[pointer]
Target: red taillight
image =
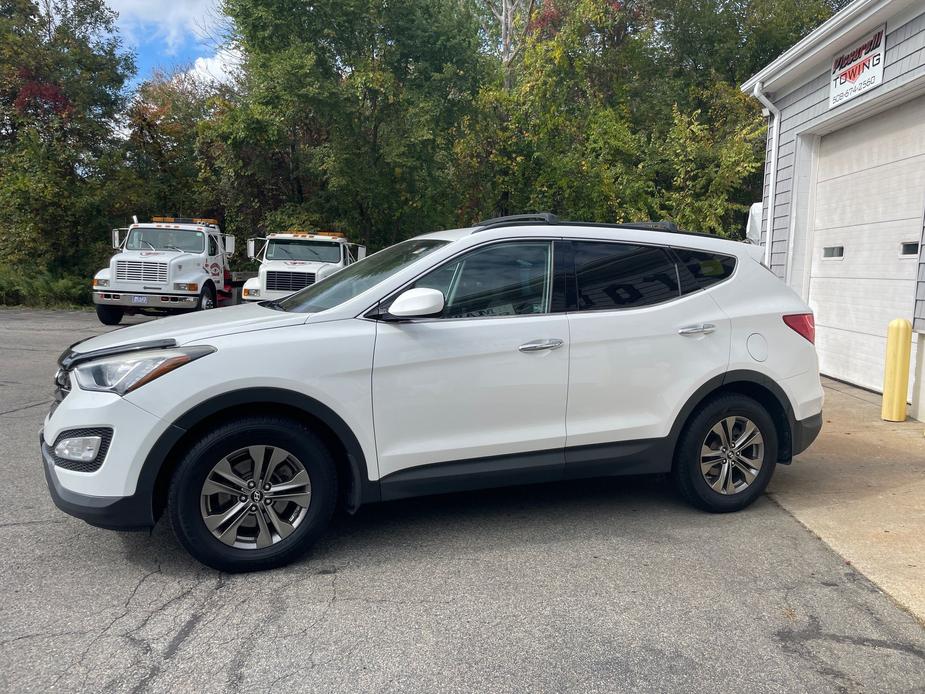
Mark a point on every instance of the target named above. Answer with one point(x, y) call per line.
point(804, 324)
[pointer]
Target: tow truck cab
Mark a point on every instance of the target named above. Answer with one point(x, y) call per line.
point(293, 260)
point(168, 265)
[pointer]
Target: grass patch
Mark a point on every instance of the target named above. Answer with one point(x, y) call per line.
point(40, 288)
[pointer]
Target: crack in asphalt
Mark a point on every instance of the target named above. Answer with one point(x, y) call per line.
point(25, 407)
point(15, 524)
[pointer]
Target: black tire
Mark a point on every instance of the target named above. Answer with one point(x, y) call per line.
point(687, 475)
point(109, 315)
point(183, 505)
point(206, 299)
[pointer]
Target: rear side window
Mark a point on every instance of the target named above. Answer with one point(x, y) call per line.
point(622, 275)
point(706, 268)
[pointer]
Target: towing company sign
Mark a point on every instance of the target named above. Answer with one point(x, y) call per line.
point(858, 69)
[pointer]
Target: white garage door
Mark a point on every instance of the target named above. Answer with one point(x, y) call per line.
point(870, 202)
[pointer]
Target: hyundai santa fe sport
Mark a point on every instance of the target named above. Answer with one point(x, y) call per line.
point(521, 350)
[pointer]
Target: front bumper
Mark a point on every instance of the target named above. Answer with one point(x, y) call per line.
point(111, 512)
point(142, 300)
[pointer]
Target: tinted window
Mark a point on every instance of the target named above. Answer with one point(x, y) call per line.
point(621, 275)
point(706, 268)
point(213, 247)
point(503, 280)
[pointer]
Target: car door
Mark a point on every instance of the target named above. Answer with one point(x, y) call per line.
point(215, 261)
point(482, 386)
point(644, 337)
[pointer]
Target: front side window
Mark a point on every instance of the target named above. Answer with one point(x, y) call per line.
point(213, 246)
point(355, 279)
point(311, 251)
point(154, 239)
point(622, 275)
point(509, 279)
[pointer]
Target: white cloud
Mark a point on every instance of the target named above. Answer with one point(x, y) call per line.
point(171, 21)
point(219, 67)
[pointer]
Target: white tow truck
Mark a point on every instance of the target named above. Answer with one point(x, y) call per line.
point(167, 265)
point(293, 260)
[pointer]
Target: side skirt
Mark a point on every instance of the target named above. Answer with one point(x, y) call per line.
point(648, 456)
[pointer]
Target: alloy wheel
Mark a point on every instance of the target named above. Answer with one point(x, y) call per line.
point(732, 455)
point(255, 497)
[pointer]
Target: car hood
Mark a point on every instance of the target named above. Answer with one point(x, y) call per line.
point(193, 327)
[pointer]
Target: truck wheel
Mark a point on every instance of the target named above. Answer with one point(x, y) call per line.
point(254, 493)
point(207, 298)
point(109, 315)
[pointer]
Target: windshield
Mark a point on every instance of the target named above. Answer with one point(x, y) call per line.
point(154, 239)
point(357, 278)
point(316, 251)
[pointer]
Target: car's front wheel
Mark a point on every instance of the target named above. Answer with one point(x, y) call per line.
point(726, 454)
point(253, 494)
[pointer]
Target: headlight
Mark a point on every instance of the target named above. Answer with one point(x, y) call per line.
point(186, 286)
point(251, 292)
point(123, 373)
point(100, 283)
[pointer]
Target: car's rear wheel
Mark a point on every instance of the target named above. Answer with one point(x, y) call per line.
point(254, 494)
point(726, 454)
point(109, 315)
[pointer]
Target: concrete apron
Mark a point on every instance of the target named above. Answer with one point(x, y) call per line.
point(861, 488)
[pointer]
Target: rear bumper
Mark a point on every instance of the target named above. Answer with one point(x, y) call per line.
point(805, 431)
point(110, 512)
point(142, 300)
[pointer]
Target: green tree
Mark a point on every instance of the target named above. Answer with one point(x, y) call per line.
point(164, 172)
point(347, 114)
point(62, 73)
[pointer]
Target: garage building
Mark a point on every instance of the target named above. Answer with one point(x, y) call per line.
point(845, 170)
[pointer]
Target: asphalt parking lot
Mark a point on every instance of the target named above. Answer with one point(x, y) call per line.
point(591, 586)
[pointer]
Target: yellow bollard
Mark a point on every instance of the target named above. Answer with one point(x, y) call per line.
point(896, 370)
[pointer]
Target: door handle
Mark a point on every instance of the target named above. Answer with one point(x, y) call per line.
point(702, 329)
point(540, 345)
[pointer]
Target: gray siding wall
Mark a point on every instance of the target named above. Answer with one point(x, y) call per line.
point(807, 107)
point(918, 323)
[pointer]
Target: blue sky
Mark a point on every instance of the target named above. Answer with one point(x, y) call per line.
point(172, 34)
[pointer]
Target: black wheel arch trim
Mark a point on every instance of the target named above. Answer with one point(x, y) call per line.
point(362, 490)
point(786, 448)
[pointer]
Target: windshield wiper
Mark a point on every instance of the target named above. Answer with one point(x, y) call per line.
point(174, 248)
point(273, 304)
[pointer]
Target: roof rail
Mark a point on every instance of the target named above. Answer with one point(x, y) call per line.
point(543, 217)
point(663, 225)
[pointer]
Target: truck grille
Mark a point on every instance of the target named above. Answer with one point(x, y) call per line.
point(289, 281)
point(141, 271)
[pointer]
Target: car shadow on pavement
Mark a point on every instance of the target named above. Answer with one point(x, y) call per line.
point(469, 522)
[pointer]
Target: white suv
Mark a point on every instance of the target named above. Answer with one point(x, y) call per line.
point(522, 350)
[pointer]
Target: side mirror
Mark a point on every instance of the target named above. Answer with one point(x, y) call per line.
point(116, 241)
point(417, 303)
point(361, 252)
point(229, 245)
point(251, 248)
